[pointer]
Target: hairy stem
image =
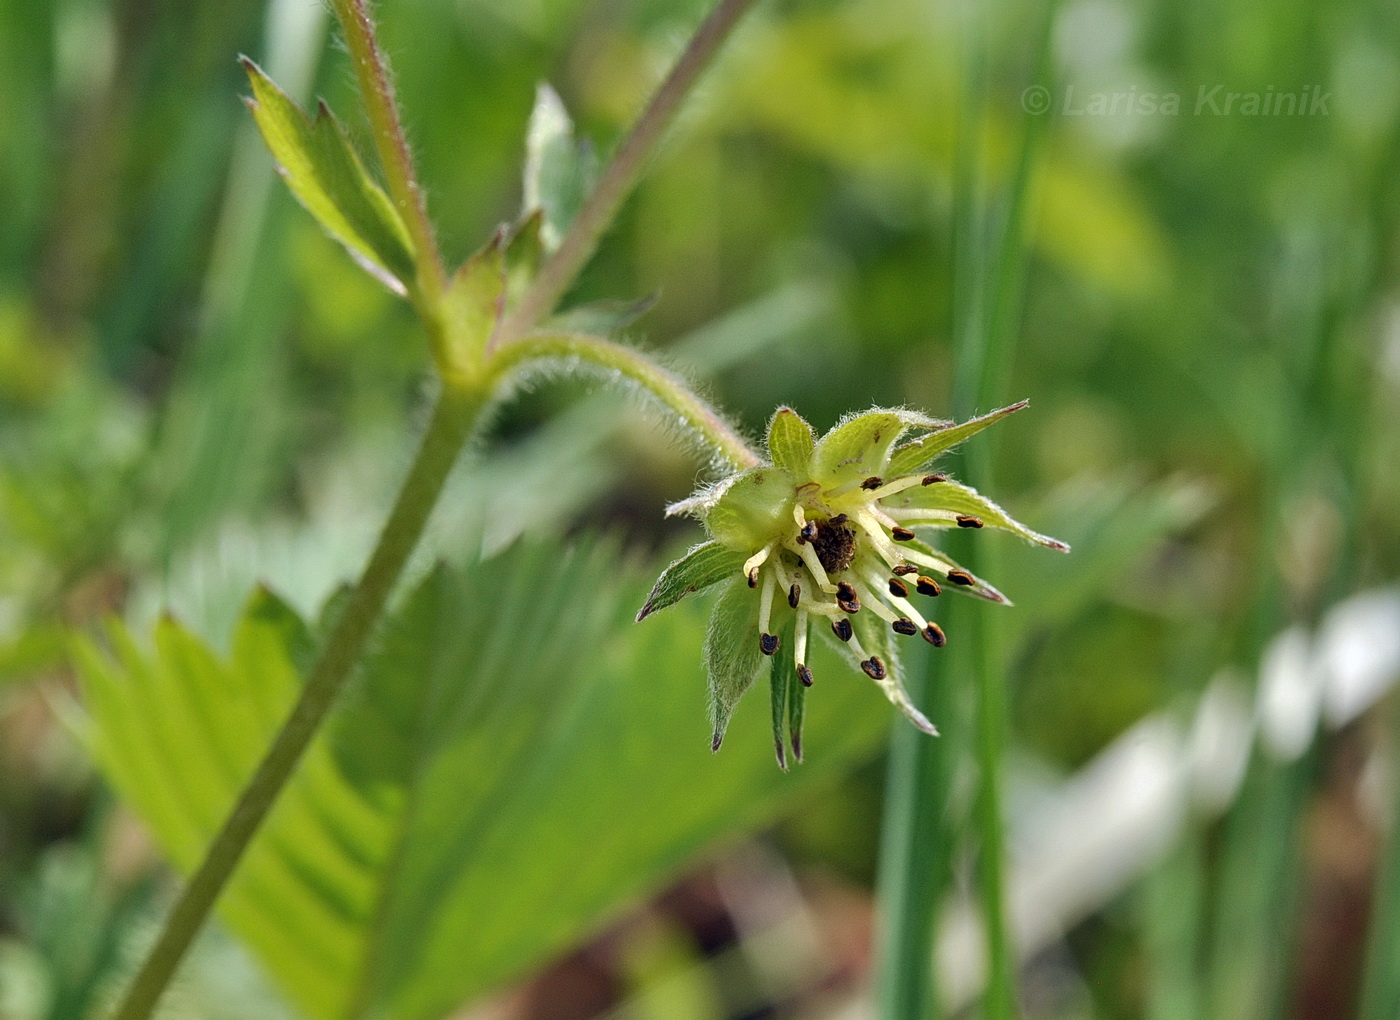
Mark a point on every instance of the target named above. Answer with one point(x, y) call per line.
point(665, 387)
point(377, 92)
point(456, 414)
point(618, 179)
point(452, 421)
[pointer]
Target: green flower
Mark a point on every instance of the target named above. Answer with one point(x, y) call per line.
point(830, 533)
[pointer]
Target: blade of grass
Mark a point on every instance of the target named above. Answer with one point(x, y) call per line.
point(987, 290)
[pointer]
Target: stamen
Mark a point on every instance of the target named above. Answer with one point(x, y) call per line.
point(874, 668)
point(934, 635)
point(814, 567)
point(757, 560)
point(842, 627)
point(869, 601)
point(768, 643)
point(808, 533)
point(905, 569)
point(878, 538)
point(905, 626)
point(919, 514)
point(805, 675)
point(968, 521)
point(899, 603)
point(898, 588)
point(931, 479)
point(962, 577)
point(927, 586)
point(765, 605)
point(898, 485)
point(873, 482)
point(846, 597)
point(794, 595)
point(902, 534)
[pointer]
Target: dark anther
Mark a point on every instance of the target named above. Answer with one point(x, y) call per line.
point(934, 635)
point(901, 534)
point(905, 627)
point(961, 577)
point(838, 520)
point(804, 674)
point(898, 588)
point(927, 586)
point(768, 643)
point(874, 668)
point(873, 482)
point(794, 594)
point(846, 597)
point(931, 479)
point(842, 627)
point(968, 521)
point(905, 569)
point(808, 533)
point(753, 578)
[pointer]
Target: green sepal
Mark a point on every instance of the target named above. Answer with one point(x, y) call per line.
point(957, 498)
point(474, 303)
point(915, 456)
point(797, 706)
point(780, 678)
point(732, 656)
point(559, 171)
point(325, 174)
point(524, 252)
point(878, 639)
point(978, 589)
point(750, 511)
point(706, 564)
point(791, 442)
point(858, 447)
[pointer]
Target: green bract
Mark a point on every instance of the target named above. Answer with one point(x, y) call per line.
point(834, 528)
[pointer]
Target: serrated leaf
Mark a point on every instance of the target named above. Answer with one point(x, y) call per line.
point(325, 174)
point(427, 850)
point(790, 442)
point(706, 564)
point(915, 456)
point(747, 514)
point(732, 656)
point(957, 498)
point(559, 172)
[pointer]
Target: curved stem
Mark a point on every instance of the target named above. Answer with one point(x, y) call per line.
point(452, 421)
point(618, 179)
point(664, 386)
point(377, 91)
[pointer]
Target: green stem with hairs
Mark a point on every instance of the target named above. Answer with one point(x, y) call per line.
point(452, 421)
point(617, 180)
point(667, 388)
point(376, 88)
point(456, 415)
